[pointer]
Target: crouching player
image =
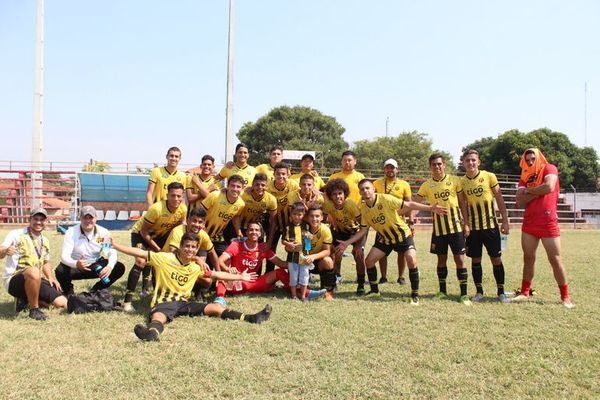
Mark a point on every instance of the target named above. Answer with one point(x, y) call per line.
point(175, 275)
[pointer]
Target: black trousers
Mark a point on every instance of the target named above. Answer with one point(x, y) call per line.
point(65, 275)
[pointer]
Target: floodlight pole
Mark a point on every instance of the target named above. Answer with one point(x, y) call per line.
point(229, 110)
point(38, 103)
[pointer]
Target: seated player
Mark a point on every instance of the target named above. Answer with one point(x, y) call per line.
point(175, 275)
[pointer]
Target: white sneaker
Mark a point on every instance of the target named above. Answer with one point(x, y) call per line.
point(503, 298)
point(128, 308)
point(520, 299)
point(567, 303)
point(477, 298)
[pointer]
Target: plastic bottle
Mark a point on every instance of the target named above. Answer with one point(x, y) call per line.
point(106, 246)
point(503, 242)
point(306, 243)
point(97, 269)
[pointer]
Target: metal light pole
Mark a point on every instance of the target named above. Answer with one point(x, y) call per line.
point(38, 103)
point(229, 110)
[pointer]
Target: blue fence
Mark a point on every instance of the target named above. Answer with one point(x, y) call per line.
point(111, 187)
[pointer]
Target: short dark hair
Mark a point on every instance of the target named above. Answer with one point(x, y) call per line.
point(314, 206)
point(174, 185)
point(469, 152)
point(256, 223)
point(276, 147)
point(337, 184)
point(174, 148)
point(298, 206)
point(208, 157)
point(236, 178)
point(260, 177)
point(307, 176)
point(348, 153)
point(240, 145)
point(435, 156)
point(198, 212)
point(529, 151)
point(363, 181)
point(281, 165)
point(188, 236)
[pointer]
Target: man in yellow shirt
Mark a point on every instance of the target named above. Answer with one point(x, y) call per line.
point(350, 175)
point(307, 165)
point(160, 177)
point(275, 156)
point(202, 181)
point(176, 274)
point(240, 166)
point(259, 206)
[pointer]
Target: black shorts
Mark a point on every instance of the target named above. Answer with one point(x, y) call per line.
point(138, 241)
point(173, 309)
point(341, 236)
point(456, 241)
point(490, 238)
point(16, 288)
point(407, 244)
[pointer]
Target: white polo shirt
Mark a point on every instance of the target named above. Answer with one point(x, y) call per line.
point(79, 244)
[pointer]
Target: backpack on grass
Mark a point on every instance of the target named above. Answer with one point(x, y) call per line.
point(100, 300)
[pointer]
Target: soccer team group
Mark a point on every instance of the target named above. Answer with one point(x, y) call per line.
point(235, 219)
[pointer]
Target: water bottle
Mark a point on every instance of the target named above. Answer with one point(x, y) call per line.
point(306, 243)
point(106, 246)
point(97, 269)
point(503, 242)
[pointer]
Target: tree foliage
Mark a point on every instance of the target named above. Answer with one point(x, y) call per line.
point(295, 128)
point(410, 149)
point(96, 166)
point(577, 166)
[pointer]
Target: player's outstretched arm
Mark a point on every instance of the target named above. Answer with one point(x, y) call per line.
point(226, 276)
point(130, 251)
point(413, 205)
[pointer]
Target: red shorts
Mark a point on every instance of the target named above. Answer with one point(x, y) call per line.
point(547, 231)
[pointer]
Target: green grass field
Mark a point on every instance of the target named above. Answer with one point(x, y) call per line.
point(345, 349)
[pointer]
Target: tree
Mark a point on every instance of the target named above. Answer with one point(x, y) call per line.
point(578, 166)
point(410, 149)
point(295, 128)
point(96, 166)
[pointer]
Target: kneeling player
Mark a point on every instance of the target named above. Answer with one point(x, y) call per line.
point(175, 275)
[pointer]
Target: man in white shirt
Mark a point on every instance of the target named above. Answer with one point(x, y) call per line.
point(82, 255)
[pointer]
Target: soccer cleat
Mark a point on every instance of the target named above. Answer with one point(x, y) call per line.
point(373, 295)
point(441, 296)
point(383, 279)
point(20, 305)
point(477, 298)
point(37, 314)
point(315, 294)
point(503, 298)
point(401, 281)
point(465, 300)
point(360, 290)
point(328, 295)
point(567, 303)
point(263, 314)
point(144, 292)
point(520, 299)
point(143, 333)
point(220, 300)
point(414, 301)
point(128, 307)
point(338, 279)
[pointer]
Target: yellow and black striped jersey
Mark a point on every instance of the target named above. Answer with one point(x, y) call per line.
point(161, 218)
point(174, 239)
point(162, 178)
point(384, 218)
point(246, 172)
point(345, 219)
point(398, 188)
point(321, 239)
point(255, 208)
point(282, 200)
point(352, 179)
point(219, 211)
point(319, 184)
point(294, 233)
point(480, 199)
point(266, 169)
point(174, 280)
point(205, 183)
point(445, 193)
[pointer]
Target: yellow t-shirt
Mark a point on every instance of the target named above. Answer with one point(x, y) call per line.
point(162, 178)
point(383, 217)
point(266, 169)
point(219, 211)
point(246, 172)
point(398, 188)
point(319, 184)
point(345, 219)
point(254, 209)
point(352, 179)
point(321, 239)
point(282, 204)
point(445, 193)
point(480, 199)
point(161, 218)
point(205, 183)
point(31, 252)
point(174, 239)
point(174, 280)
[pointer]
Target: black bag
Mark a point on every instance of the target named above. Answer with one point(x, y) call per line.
point(100, 300)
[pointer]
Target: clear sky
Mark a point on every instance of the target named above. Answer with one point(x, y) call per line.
point(125, 80)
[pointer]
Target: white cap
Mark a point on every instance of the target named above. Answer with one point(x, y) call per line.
point(390, 161)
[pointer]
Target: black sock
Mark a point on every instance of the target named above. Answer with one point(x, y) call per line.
point(442, 273)
point(360, 279)
point(231, 314)
point(499, 275)
point(328, 279)
point(413, 275)
point(157, 325)
point(146, 277)
point(132, 280)
point(463, 275)
point(477, 272)
point(372, 275)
